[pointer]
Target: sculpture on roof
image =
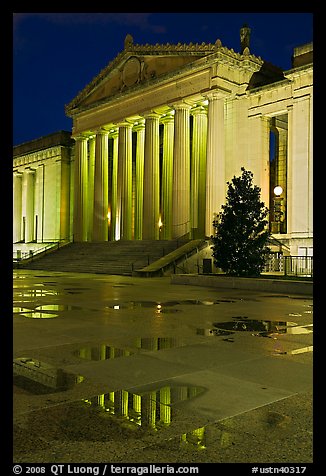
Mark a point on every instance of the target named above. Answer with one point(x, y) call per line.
point(128, 41)
point(245, 39)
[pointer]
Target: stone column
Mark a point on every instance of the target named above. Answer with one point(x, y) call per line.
point(151, 209)
point(17, 206)
point(91, 176)
point(215, 164)
point(29, 205)
point(124, 185)
point(115, 233)
point(80, 190)
point(167, 176)
point(101, 184)
point(198, 171)
point(300, 177)
point(181, 173)
point(140, 147)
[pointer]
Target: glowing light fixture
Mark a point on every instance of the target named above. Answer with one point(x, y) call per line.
point(278, 190)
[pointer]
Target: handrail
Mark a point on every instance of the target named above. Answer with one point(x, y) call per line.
point(30, 254)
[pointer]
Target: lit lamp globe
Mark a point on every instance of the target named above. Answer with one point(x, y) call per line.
point(278, 190)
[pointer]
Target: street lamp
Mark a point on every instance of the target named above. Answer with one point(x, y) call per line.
point(277, 200)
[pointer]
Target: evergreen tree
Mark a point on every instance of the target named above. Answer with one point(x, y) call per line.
point(240, 230)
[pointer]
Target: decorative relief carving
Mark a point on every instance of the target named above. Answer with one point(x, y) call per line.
point(131, 71)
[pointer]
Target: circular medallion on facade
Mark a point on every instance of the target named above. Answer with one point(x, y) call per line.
point(131, 71)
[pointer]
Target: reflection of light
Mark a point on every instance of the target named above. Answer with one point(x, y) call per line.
point(116, 307)
point(109, 216)
point(278, 190)
point(158, 308)
point(160, 223)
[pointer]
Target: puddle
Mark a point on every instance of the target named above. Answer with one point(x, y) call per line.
point(213, 332)
point(101, 352)
point(39, 377)
point(40, 315)
point(118, 416)
point(36, 293)
point(160, 307)
point(149, 409)
point(302, 350)
point(262, 328)
point(105, 352)
point(157, 343)
point(196, 439)
point(57, 307)
point(17, 309)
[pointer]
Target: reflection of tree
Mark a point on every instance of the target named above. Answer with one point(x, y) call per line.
point(243, 324)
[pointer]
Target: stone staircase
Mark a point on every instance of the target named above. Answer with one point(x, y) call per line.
point(114, 257)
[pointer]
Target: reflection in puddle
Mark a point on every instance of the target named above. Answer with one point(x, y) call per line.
point(17, 309)
point(36, 293)
point(213, 332)
point(160, 307)
point(157, 343)
point(195, 438)
point(302, 350)
point(105, 352)
point(101, 352)
point(264, 328)
point(39, 377)
point(40, 315)
point(57, 307)
point(116, 416)
point(149, 409)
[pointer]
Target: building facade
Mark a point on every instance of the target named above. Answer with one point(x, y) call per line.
point(156, 137)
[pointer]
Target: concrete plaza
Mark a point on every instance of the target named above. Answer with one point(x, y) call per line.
point(152, 371)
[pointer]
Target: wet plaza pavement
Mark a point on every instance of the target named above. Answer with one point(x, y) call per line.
point(136, 370)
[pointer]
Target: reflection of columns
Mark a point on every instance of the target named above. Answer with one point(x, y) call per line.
point(167, 176)
point(148, 414)
point(101, 193)
point(165, 405)
point(198, 171)
point(91, 171)
point(215, 166)
point(124, 185)
point(29, 204)
point(140, 130)
point(114, 232)
point(17, 206)
point(151, 203)
point(80, 195)
point(181, 172)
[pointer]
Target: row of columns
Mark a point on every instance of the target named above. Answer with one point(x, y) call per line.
point(169, 201)
point(23, 205)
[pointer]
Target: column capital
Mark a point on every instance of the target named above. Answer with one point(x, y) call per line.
point(215, 94)
point(29, 170)
point(18, 174)
point(139, 125)
point(101, 131)
point(167, 118)
point(79, 137)
point(198, 109)
point(181, 106)
point(151, 115)
point(125, 124)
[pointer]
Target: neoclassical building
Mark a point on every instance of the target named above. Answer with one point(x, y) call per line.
point(156, 137)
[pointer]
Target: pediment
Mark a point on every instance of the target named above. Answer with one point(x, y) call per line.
point(135, 66)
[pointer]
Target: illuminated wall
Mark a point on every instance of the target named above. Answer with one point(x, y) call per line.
point(157, 135)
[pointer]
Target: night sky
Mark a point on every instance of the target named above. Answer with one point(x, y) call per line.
point(55, 55)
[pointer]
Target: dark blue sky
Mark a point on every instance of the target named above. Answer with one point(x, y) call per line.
point(55, 55)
